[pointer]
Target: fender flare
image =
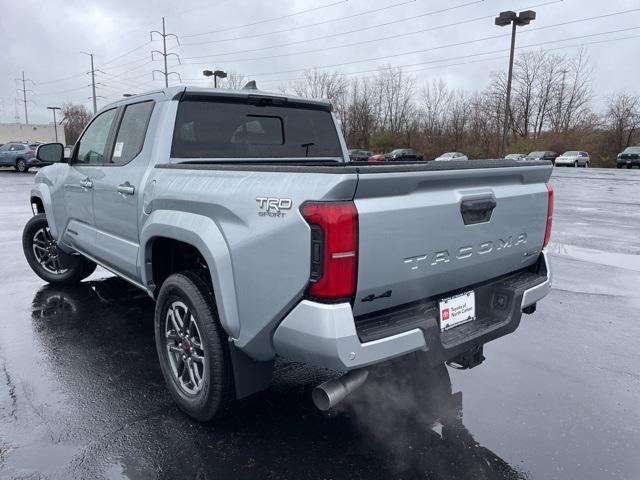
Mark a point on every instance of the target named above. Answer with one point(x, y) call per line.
point(204, 234)
point(41, 191)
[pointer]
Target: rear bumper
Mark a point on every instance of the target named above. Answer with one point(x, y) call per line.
point(329, 336)
point(628, 161)
point(566, 161)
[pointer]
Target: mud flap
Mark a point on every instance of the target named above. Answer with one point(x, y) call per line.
point(249, 375)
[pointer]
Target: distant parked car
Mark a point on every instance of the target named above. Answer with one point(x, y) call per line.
point(573, 158)
point(629, 158)
point(515, 156)
point(359, 155)
point(17, 155)
point(403, 154)
point(451, 156)
point(377, 158)
point(543, 155)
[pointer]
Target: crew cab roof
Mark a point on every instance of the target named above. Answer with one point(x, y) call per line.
point(183, 92)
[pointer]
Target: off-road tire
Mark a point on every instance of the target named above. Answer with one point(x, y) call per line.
point(216, 396)
point(76, 268)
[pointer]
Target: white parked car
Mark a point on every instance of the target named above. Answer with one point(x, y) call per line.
point(573, 158)
point(451, 156)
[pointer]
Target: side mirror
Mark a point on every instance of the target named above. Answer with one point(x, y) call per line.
point(51, 153)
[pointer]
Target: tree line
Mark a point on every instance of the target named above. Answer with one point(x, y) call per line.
point(552, 108)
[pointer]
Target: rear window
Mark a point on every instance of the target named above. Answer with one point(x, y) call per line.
point(219, 129)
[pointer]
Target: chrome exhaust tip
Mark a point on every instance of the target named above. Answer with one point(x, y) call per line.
point(332, 392)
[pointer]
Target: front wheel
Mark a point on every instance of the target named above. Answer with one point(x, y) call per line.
point(192, 348)
point(46, 260)
point(21, 166)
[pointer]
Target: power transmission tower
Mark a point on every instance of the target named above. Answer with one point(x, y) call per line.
point(93, 82)
point(24, 91)
point(164, 53)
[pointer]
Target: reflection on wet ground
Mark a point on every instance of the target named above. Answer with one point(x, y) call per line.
point(96, 339)
point(81, 395)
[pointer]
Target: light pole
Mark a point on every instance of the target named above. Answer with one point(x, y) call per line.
point(55, 125)
point(216, 74)
point(515, 20)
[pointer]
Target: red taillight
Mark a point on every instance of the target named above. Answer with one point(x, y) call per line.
point(334, 248)
point(29, 152)
point(547, 232)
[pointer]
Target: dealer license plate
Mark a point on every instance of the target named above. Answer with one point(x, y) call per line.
point(457, 310)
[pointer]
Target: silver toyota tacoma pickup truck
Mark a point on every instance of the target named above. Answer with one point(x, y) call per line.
point(240, 213)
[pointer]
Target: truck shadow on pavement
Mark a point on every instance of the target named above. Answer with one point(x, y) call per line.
point(97, 343)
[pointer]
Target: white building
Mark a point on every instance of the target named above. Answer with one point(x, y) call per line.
point(19, 132)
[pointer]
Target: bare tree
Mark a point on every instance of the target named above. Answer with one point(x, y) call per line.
point(361, 114)
point(573, 95)
point(74, 118)
point(396, 93)
point(623, 119)
point(234, 80)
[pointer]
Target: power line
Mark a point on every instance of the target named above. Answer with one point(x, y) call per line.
point(466, 42)
point(164, 53)
point(267, 20)
point(126, 53)
point(398, 35)
point(300, 27)
point(390, 37)
point(473, 55)
point(332, 35)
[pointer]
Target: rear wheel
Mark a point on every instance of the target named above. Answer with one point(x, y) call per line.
point(192, 348)
point(46, 260)
point(21, 166)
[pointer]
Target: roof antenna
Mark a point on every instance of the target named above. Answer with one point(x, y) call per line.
point(250, 85)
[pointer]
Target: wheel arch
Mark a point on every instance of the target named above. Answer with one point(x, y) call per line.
point(40, 198)
point(172, 240)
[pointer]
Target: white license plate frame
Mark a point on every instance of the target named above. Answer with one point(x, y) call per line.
point(457, 310)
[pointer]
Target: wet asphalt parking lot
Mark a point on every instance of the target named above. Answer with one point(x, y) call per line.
point(82, 396)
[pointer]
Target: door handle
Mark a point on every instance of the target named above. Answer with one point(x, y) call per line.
point(86, 183)
point(126, 189)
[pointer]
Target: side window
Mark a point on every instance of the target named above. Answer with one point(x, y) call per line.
point(93, 144)
point(5, 148)
point(131, 132)
point(19, 147)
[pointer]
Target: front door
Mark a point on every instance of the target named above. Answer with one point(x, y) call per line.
point(77, 219)
point(117, 190)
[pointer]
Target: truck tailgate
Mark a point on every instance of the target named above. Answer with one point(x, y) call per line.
point(426, 233)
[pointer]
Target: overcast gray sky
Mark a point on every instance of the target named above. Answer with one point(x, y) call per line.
point(273, 42)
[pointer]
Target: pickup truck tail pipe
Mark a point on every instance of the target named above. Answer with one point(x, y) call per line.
point(332, 392)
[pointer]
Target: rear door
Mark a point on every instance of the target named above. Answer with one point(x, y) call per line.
point(425, 233)
point(4, 154)
point(117, 190)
